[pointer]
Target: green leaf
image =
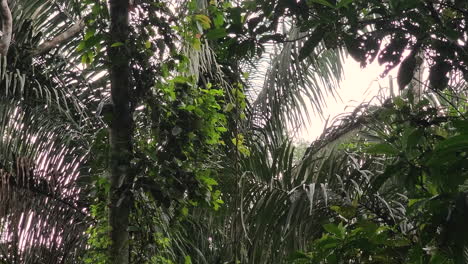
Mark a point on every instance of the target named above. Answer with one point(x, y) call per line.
point(347, 211)
point(369, 227)
point(148, 44)
point(399, 102)
point(411, 137)
point(461, 126)
point(382, 148)
point(196, 44)
point(90, 56)
point(81, 46)
point(439, 258)
point(298, 255)
point(322, 2)
point(218, 20)
point(410, 4)
point(400, 242)
point(447, 149)
point(117, 44)
point(133, 228)
point(89, 33)
point(84, 58)
point(337, 230)
point(216, 33)
point(344, 3)
point(228, 107)
point(332, 259)
point(204, 21)
point(329, 243)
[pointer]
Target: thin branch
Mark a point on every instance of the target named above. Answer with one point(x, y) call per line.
point(57, 40)
point(7, 27)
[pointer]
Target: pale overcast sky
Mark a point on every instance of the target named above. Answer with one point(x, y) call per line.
point(359, 85)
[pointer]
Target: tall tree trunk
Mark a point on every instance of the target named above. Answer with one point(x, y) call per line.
point(121, 130)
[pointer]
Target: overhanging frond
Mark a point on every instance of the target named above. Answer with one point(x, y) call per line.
point(290, 84)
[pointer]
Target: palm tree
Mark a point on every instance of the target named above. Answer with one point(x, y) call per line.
point(47, 126)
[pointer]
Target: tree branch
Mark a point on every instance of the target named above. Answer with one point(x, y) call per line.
point(57, 40)
point(7, 27)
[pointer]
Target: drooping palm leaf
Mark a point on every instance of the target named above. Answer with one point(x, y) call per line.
point(42, 218)
point(42, 148)
point(292, 84)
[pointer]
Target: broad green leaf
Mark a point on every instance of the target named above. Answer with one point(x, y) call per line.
point(382, 148)
point(369, 227)
point(329, 243)
point(216, 33)
point(447, 149)
point(337, 230)
point(410, 137)
point(218, 20)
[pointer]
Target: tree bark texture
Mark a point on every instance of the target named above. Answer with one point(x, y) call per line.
point(120, 133)
point(7, 27)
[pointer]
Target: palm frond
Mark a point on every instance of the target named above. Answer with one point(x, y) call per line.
point(42, 151)
point(40, 211)
point(291, 84)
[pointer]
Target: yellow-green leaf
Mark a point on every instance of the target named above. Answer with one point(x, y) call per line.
point(116, 44)
point(204, 21)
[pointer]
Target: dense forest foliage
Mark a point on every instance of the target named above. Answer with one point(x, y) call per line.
point(135, 131)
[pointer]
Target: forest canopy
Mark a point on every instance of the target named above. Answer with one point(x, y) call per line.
point(135, 131)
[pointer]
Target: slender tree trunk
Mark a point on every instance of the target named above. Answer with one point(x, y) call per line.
point(121, 130)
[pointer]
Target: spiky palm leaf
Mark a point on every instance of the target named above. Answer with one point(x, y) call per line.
point(291, 84)
point(42, 219)
point(279, 206)
point(43, 145)
point(41, 152)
